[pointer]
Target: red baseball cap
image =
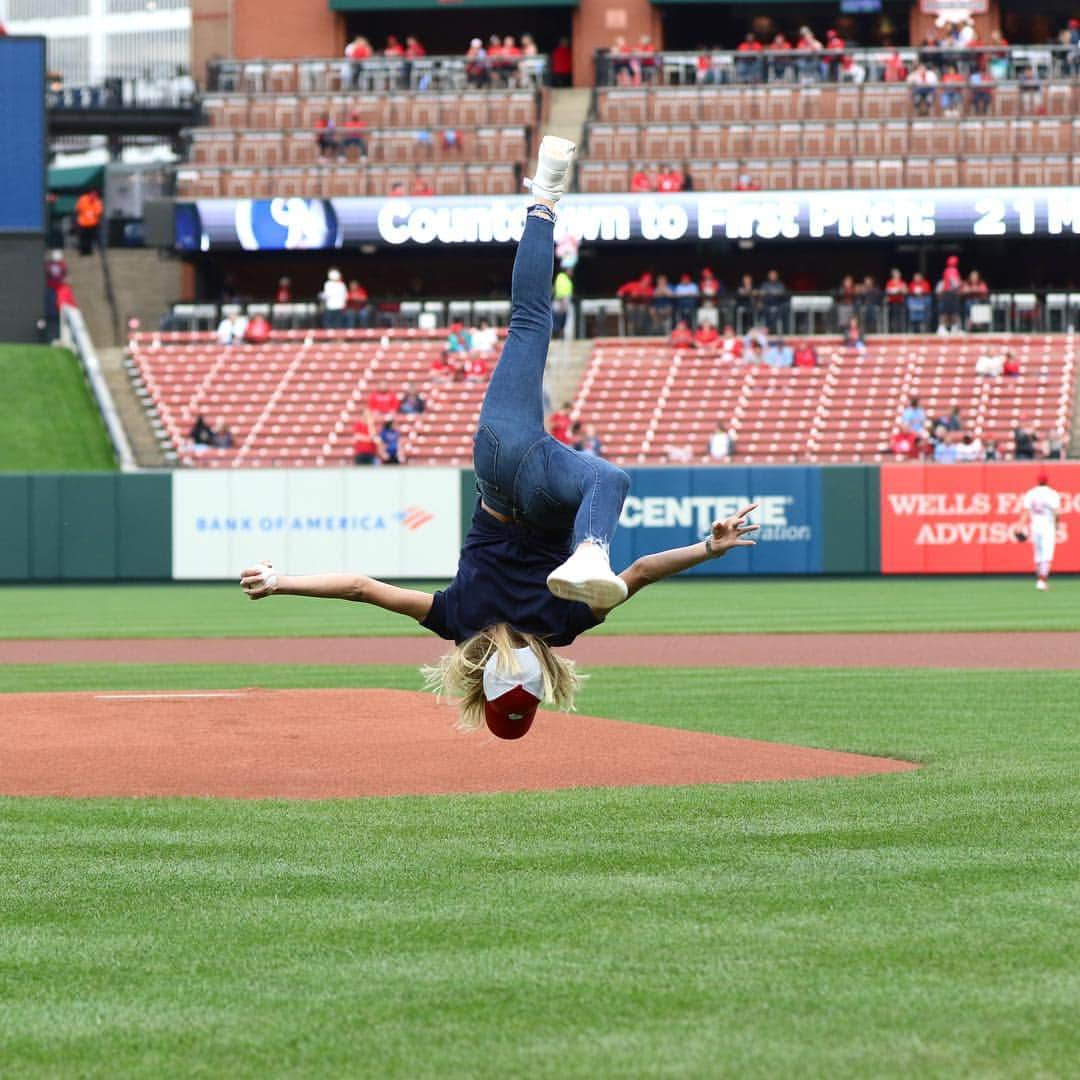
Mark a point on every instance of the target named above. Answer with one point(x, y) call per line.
point(1043, 478)
point(512, 697)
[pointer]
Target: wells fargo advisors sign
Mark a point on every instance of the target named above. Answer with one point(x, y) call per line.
point(958, 519)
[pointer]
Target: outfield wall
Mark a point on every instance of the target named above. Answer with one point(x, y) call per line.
point(408, 523)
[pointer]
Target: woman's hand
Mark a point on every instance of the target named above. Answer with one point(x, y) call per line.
point(731, 532)
point(259, 580)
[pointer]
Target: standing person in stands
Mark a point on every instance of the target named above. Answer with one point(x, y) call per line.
point(534, 571)
point(365, 441)
point(334, 298)
point(283, 295)
point(896, 291)
point(88, 211)
point(562, 63)
point(950, 296)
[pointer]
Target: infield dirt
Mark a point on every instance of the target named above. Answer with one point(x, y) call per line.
point(310, 744)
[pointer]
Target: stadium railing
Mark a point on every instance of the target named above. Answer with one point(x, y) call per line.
point(1012, 62)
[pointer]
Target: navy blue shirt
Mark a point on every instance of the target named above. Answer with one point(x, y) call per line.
point(502, 577)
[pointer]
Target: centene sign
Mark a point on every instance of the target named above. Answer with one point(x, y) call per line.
point(959, 519)
point(698, 512)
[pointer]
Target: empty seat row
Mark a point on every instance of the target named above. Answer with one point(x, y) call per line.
point(377, 110)
point(343, 181)
point(839, 102)
point(271, 148)
point(783, 174)
point(868, 138)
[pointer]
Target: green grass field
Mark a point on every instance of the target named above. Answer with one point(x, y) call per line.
point(54, 425)
point(914, 924)
point(687, 606)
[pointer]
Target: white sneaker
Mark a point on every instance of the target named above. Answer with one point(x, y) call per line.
point(552, 168)
point(1040, 585)
point(587, 576)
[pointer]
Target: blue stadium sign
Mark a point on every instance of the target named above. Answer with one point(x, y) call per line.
point(911, 213)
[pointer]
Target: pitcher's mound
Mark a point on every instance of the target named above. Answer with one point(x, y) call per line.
point(316, 744)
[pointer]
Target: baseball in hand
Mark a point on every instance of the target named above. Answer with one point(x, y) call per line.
point(259, 581)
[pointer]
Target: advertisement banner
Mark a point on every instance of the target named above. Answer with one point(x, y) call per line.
point(958, 519)
point(669, 508)
point(384, 522)
point(288, 224)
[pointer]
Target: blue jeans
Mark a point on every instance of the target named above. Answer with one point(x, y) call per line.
point(521, 470)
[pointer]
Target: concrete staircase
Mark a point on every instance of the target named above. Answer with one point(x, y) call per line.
point(144, 285)
point(133, 414)
point(566, 365)
point(567, 115)
point(1073, 450)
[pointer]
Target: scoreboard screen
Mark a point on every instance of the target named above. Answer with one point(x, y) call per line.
point(22, 134)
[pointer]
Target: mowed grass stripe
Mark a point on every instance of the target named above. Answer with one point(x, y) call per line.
point(911, 924)
point(685, 606)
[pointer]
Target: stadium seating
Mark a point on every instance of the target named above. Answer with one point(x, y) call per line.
point(653, 404)
point(294, 400)
point(264, 144)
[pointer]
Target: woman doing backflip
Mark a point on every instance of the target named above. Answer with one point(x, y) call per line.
point(534, 571)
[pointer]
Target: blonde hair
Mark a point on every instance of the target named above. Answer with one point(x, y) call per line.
point(460, 673)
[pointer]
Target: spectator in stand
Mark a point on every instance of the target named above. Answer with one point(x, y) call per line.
point(1024, 442)
point(846, 297)
point(730, 346)
point(780, 65)
point(223, 437)
point(562, 63)
point(805, 355)
point(904, 445)
point(721, 443)
point(774, 302)
point(588, 442)
point(334, 297)
point(389, 443)
point(393, 48)
point(413, 49)
point(562, 300)
point(88, 213)
point(950, 296)
point(953, 421)
point(970, 448)
point(671, 179)
point(201, 433)
point(952, 95)
point(357, 308)
point(257, 331)
point(810, 67)
point(636, 296)
point(923, 82)
point(358, 50)
point(686, 299)
point(748, 66)
point(559, 424)
point(476, 366)
point(326, 136)
point(706, 336)
point(919, 304)
point(421, 187)
point(944, 446)
point(283, 295)
point(646, 58)
point(746, 182)
point(663, 302)
point(682, 337)
point(231, 329)
point(353, 134)
point(382, 402)
point(411, 404)
point(365, 441)
point(894, 70)
point(982, 88)
point(641, 182)
point(853, 337)
point(458, 341)
point(746, 301)
point(896, 291)
point(975, 291)
point(868, 301)
point(913, 418)
point(477, 71)
point(485, 339)
point(778, 354)
point(990, 364)
point(710, 285)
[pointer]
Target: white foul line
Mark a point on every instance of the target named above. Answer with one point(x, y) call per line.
point(156, 697)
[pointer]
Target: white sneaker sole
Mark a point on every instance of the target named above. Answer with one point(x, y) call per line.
point(596, 592)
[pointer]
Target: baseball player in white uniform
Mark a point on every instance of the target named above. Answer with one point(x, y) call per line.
point(1041, 504)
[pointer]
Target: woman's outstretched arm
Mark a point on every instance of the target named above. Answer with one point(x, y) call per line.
point(262, 580)
point(725, 535)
